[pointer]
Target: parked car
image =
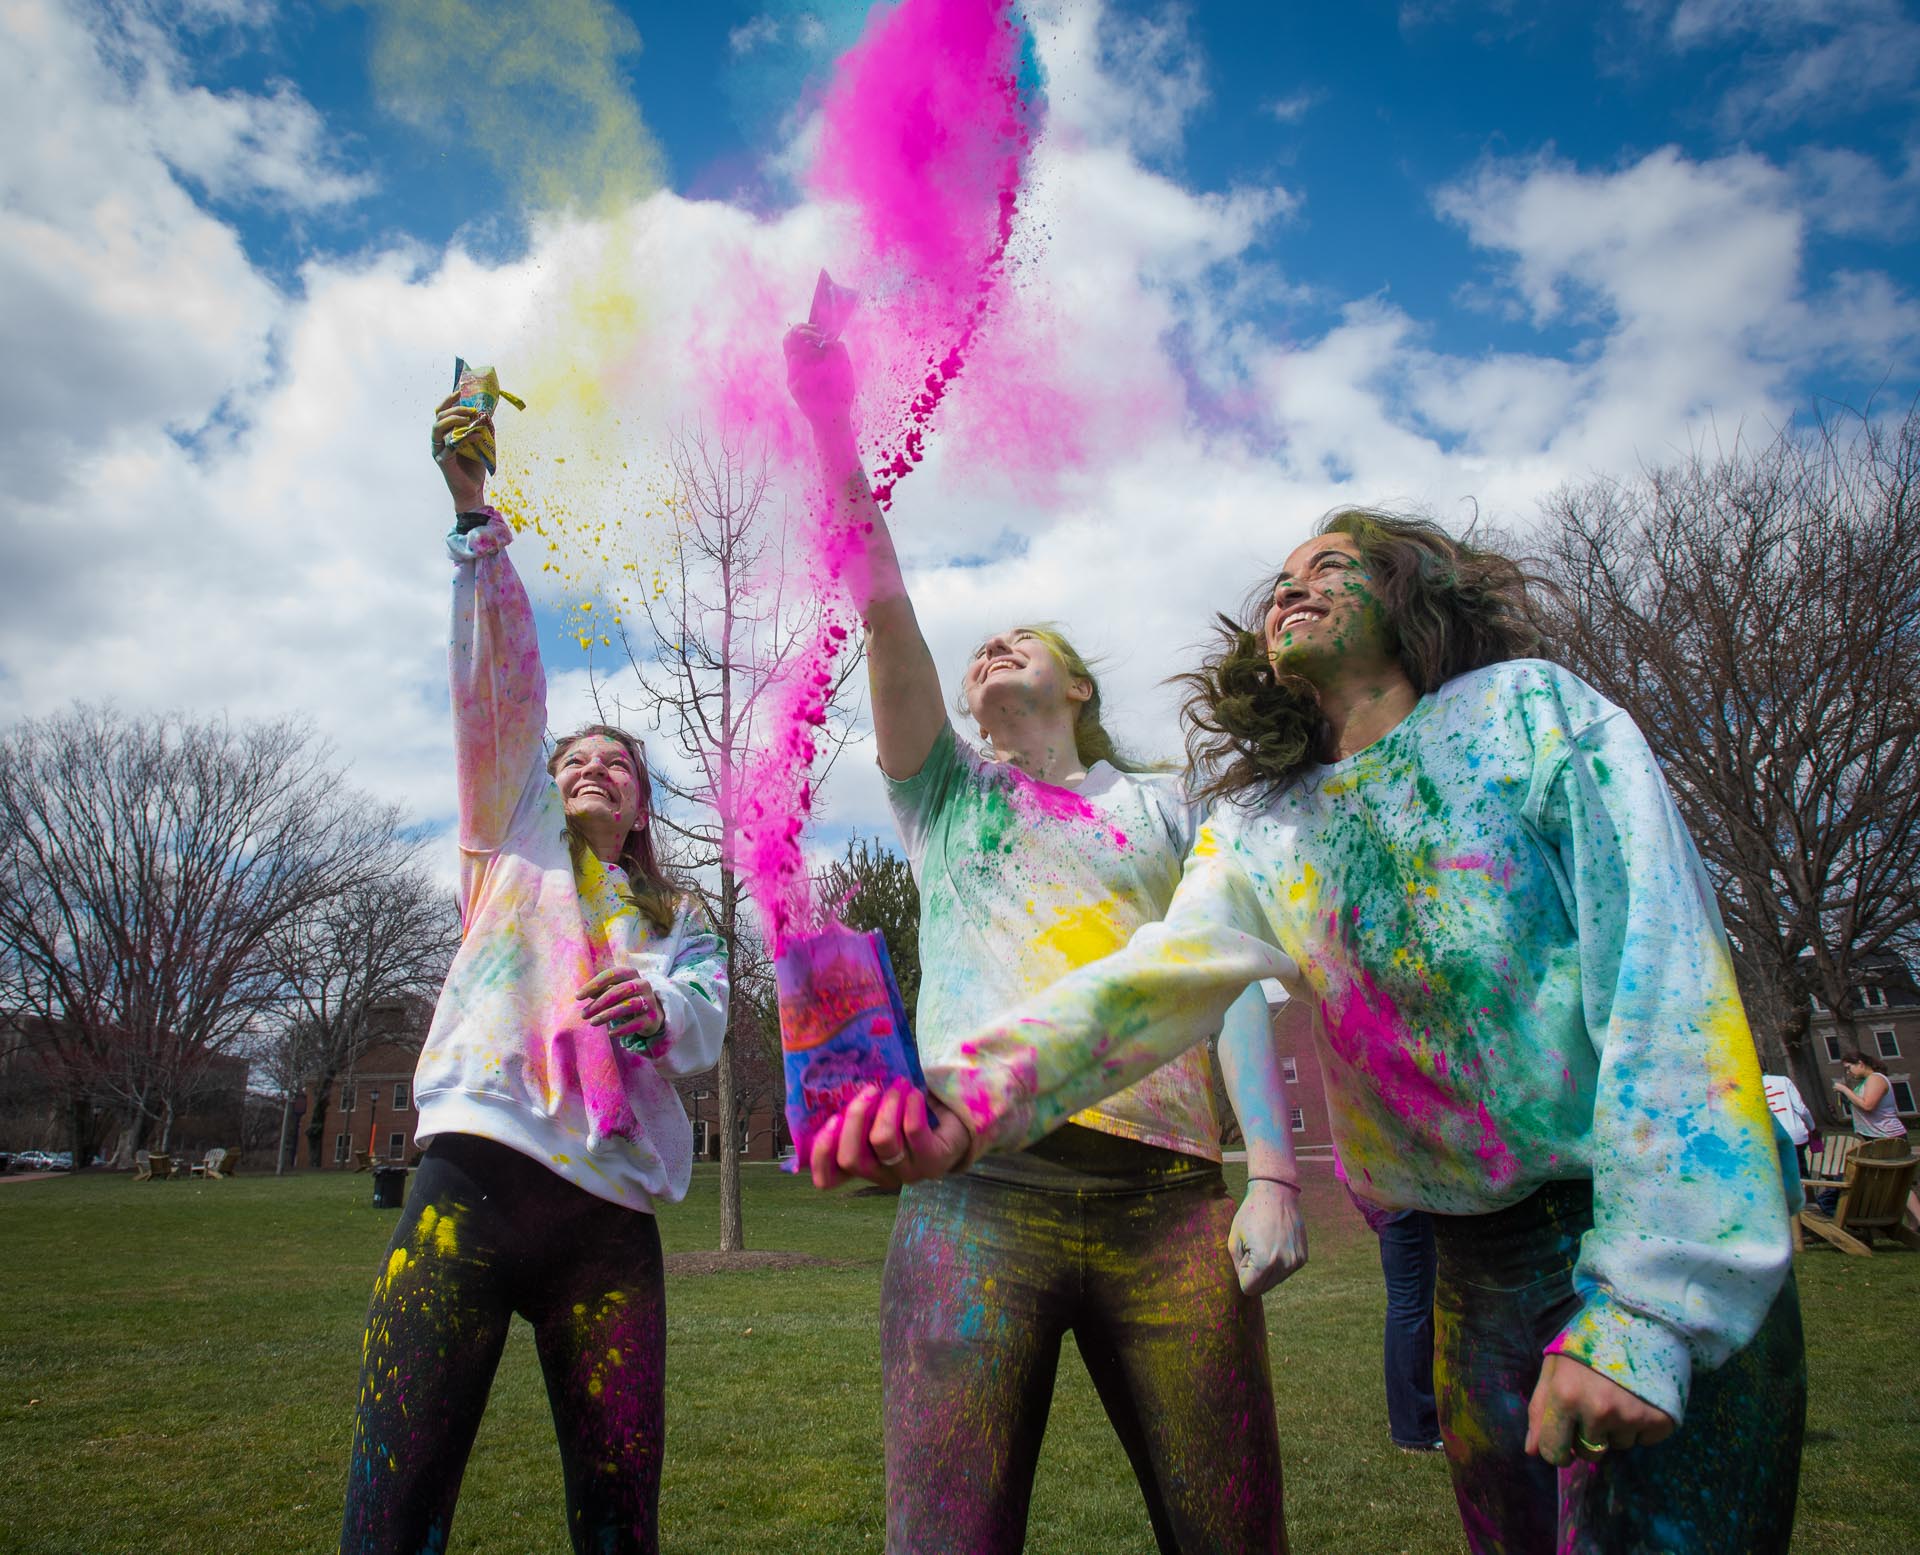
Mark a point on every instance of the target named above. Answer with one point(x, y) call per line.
point(33, 1161)
point(60, 1161)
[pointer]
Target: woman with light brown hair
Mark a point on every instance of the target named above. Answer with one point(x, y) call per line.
point(584, 983)
point(1035, 855)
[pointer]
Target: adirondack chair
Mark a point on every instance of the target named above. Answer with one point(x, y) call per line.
point(142, 1166)
point(210, 1165)
point(363, 1161)
point(1830, 1160)
point(1873, 1197)
point(159, 1167)
point(228, 1165)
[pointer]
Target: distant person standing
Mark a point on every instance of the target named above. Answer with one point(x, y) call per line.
point(1789, 1108)
point(1866, 1092)
point(1868, 1095)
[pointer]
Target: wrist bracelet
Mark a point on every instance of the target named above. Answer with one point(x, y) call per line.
point(1285, 1182)
point(473, 518)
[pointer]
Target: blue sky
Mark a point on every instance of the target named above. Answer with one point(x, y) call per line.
point(1453, 254)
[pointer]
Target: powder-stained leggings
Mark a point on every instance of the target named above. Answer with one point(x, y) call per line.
point(487, 1233)
point(1124, 1245)
point(1723, 1484)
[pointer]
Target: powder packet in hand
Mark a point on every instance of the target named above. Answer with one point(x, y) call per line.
point(833, 305)
point(479, 389)
point(842, 1026)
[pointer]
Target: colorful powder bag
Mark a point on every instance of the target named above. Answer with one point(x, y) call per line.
point(479, 389)
point(842, 1026)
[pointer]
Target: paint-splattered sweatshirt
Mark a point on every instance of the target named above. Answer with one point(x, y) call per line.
point(1521, 976)
point(1021, 882)
point(509, 1056)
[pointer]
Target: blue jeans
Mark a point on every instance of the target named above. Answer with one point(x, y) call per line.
point(1407, 1261)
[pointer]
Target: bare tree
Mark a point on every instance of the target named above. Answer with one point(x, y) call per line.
point(708, 649)
point(1757, 611)
point(144, 864)
point(389, 936)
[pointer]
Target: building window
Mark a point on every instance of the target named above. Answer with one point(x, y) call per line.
point(700, 1137)
point(346, 1097)
point(400, 1096)
point(1902, 1095)
point(1874, 997)
point(1889, 1047)
point(396, 1146)
point(1818, 1007)
point(1833, 1048)
point(341, 1145)
point(1296, 1120)
point(1290, 1070)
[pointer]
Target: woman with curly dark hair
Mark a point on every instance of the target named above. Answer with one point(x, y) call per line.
point(1466, 862)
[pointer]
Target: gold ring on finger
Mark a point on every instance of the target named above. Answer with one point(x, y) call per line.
point(1593, 1449)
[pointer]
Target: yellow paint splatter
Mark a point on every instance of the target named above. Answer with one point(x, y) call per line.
point(1082, 934)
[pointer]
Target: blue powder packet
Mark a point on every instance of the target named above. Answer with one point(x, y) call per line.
point(842, 1026)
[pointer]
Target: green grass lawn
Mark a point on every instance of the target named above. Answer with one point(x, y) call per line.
point(178, 1365)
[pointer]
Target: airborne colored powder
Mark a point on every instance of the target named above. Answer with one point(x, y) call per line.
point(925, 133)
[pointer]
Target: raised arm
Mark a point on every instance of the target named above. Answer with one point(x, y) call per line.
point(493, 662)
point(908, 713)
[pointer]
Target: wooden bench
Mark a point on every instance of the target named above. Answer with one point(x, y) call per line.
point(1873, 1197)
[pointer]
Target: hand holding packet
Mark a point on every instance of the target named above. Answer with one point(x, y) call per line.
point(842, 1026)
point(479, 389)
point(832, 306)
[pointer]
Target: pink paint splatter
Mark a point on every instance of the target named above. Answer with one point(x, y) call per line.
point(925, 134)
point(1366, 1029)
point(1480, 864)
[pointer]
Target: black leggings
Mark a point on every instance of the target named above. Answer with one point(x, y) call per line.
point(487, 1233)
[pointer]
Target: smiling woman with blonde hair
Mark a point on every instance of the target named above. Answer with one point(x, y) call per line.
point(1032, 859)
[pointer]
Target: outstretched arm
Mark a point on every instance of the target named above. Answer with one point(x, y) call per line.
point(1094, 1032)
point(904, 685)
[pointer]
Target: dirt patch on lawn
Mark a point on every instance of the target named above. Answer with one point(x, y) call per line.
point(753, 1261)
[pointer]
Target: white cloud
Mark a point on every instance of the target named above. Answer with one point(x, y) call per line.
point(1116, 79)
point(1799, 58)
point(1848, 193)
point(1294, 107)
point(757, 33)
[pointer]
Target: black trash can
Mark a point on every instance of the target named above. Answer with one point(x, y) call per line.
point(389, 1187)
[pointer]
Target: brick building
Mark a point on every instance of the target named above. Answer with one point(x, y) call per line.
point(370, 1108)
point(1300, 1068)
